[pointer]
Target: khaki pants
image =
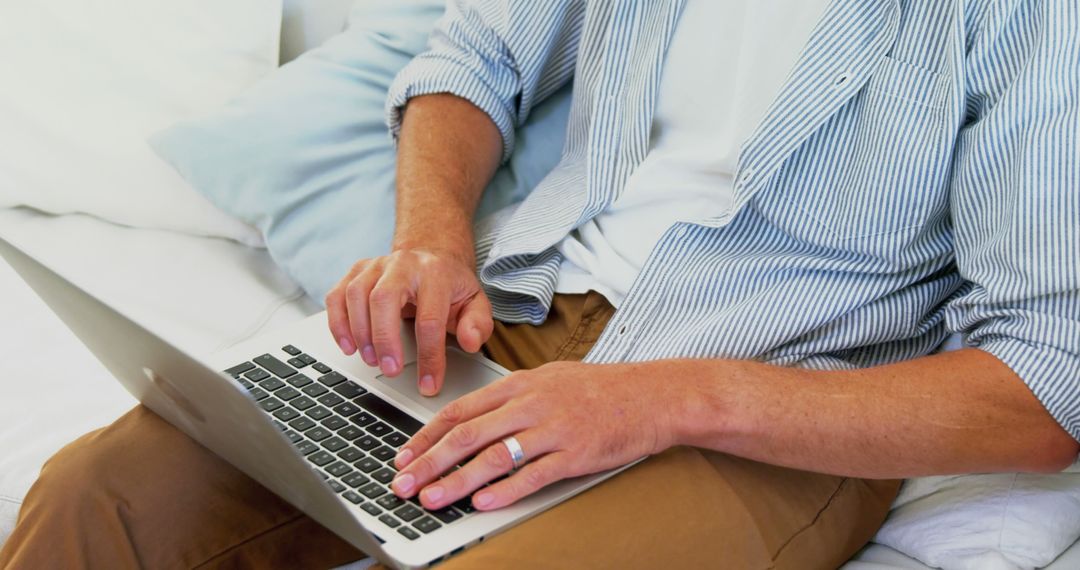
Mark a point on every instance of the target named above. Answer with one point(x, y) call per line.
point(139, 493)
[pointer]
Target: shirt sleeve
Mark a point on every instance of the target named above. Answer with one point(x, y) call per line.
point(504, 56)
point(1016, 200)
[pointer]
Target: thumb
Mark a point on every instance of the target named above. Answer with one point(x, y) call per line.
point(475, 323)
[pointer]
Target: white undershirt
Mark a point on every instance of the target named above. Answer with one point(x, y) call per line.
point(726, 63)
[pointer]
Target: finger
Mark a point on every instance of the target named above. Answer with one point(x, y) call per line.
point(475, 323)
point(532, 477)
point(459, 411)
point(479, 443)
point(432, 308)
point(337, 318)
point(356, 300)
point(385, 302)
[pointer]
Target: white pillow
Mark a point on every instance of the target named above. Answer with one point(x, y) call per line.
point(82, 84)
point(1001, 521)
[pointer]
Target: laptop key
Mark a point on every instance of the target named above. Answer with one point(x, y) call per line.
point(367, 465)
point(279, 368)
point(372, 490)
point(465, 505)
point(286, 414)
point(259, 393)
point(334, 444)
point(306, 447)
point(331, 399)
point(408, 512)
point(239, 369)
point(300, 380)
point(271, 404)
point(257, 375)
point(379, 429)
point(371, 509)
point(384, 476)
point(389, 502)
point(389, 521)
point(447, 515)
point(338, 469)
point(337, 487)
point(317, 434)
point(317, 413)
point(287, 393)
point(355, 480)
point(291, 350)
point(349, 390)
point(293, 436)
point(347, 409)
point(350, 454)
point(332, 379)
point(350, 432)
point(408, 533)
point(301, 424)
point(353, 497)
point(296, 363)
point(367, 443)
point(307, 359)
point(321, 368)
point(271, 384)
point(427, 524)
point(395, 439)
point(320, 458)
point(389, 413)
point(246, 383)
point(334, 423)
point(280, 425)
point(362, 419)
point(384, 453)
point(315, 390)
point(302, 403)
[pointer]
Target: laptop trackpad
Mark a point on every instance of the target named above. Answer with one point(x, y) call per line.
point(464, 374)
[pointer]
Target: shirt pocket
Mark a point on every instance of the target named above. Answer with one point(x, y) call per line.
point(879, 166)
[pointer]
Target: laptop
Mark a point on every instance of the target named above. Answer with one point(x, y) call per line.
point(317, 428)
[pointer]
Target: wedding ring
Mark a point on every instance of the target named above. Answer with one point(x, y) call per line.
point(517, 454)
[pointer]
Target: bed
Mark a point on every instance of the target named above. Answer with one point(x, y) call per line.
point(207, 294)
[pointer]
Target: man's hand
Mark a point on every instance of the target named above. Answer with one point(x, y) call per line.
point(439, 289)
point(570, 418)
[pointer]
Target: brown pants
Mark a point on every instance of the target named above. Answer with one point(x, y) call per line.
point(140, 493)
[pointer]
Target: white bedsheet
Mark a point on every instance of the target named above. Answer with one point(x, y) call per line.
point(203, 294)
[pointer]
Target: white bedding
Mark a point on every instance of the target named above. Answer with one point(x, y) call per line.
point(203, 294)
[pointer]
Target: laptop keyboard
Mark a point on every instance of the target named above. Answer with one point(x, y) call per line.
point(349, 435)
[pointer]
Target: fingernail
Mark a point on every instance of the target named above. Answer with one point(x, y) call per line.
point(389, 365)
point(404, 457)
point(427, 385)
point(368, 354)
point(484, 499)
point(346, 345)
point(433, 494)
point(404, 483)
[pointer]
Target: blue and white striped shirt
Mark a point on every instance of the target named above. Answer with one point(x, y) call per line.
point(917, 175)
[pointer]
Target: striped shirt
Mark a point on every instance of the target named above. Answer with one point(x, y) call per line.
point(917, 175)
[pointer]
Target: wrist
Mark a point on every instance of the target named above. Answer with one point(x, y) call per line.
point(456, 248)
point(702, 401)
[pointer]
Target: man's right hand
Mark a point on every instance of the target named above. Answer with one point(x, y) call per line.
point(439, 289)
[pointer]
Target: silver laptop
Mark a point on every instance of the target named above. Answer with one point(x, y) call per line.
point(315, 427)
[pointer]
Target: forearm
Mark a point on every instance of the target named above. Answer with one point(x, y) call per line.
point(958, 412)
point(448, 152)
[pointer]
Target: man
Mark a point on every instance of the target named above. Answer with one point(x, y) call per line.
point(781, 272)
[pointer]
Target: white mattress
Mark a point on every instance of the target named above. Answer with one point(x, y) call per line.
point(202, 294)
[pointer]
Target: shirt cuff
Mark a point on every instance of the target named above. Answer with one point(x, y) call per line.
point(1053, 375)
point(432, 73)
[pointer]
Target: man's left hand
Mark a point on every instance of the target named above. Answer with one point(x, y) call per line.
point(570, 418)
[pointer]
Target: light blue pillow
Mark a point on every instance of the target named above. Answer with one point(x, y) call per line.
point(305, 155)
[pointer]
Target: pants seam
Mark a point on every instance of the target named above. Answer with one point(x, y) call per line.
point(248, 540)
point(836, 493)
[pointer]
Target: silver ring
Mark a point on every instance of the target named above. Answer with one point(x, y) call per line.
point(517, 455)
